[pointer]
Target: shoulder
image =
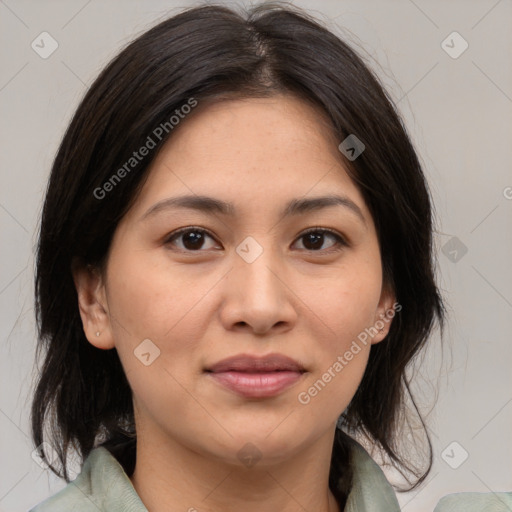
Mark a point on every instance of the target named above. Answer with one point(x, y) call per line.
point(101, 485)
point(475, 502)
point(371, 492)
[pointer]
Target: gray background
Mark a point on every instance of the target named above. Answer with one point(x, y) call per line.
point(458, 112)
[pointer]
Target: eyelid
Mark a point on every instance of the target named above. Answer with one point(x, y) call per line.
point(330, 231)
point(189, 228)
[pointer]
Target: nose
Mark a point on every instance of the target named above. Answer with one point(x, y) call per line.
point(257, 296)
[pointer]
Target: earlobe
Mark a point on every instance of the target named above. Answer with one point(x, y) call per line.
point(93, 307)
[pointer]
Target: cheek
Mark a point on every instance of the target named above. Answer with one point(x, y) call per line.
point(150, 298)
point(345, 311)
point(347, 305)
point(158, 318)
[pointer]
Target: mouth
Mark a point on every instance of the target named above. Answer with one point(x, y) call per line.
point(257, 377)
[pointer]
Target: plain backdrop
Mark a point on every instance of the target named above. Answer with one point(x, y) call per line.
point(457, 106)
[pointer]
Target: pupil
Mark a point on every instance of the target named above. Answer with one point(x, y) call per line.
point(193, 240)
point(311, 237)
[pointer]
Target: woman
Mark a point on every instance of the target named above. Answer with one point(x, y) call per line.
point(234, 270)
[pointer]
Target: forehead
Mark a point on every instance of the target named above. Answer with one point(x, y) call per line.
point(255, 128)
point(256, 149)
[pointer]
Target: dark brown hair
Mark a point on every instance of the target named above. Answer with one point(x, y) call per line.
point(208, 53)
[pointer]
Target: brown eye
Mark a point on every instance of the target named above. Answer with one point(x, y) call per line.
point(192, 239)
point(314, 239)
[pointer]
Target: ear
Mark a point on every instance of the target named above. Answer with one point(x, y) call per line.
point(386, 310)
point(92, 303)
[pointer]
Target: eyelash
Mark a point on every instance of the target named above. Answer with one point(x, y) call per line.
point(340, 241)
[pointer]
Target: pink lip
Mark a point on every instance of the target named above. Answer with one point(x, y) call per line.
point(249, 363)
point(257, 377)
point(257, 385)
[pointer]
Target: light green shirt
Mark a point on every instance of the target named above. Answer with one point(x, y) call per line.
point(103, 486)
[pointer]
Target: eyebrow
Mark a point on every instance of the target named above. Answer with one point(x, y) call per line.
point(212, 205)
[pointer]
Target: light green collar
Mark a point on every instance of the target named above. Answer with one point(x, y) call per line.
point(103, 486)
point(371, 492)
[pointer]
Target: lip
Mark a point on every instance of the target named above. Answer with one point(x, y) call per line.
point(257, 364)
point(257, 377)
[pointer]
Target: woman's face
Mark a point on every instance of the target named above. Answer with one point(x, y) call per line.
point(244, 280)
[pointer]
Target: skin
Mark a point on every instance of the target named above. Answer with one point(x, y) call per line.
point(199, 306)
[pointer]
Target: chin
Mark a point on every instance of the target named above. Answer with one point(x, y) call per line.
point(253, 446)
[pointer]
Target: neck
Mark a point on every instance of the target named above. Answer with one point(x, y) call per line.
point(211, 485)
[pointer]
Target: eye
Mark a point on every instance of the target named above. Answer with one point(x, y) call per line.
point(314, 239)
point(193, 238)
